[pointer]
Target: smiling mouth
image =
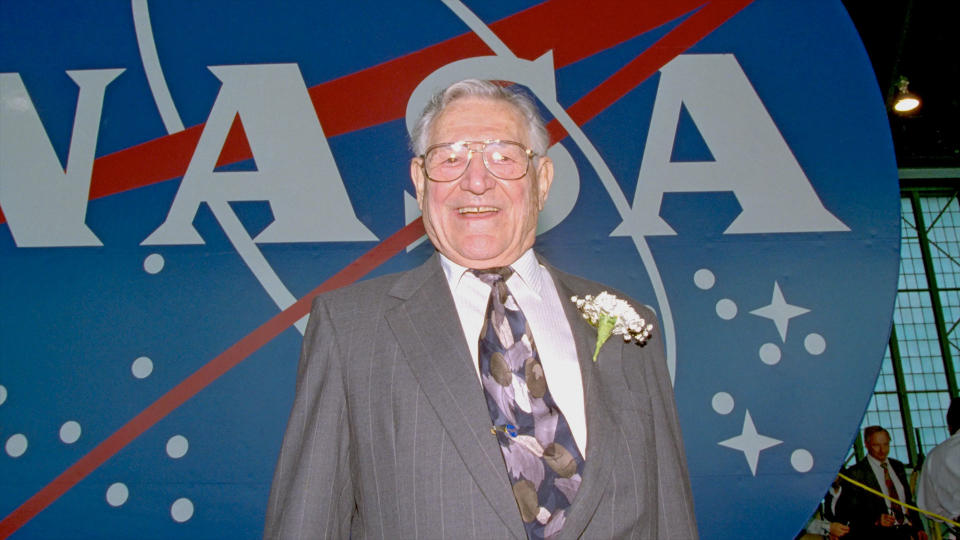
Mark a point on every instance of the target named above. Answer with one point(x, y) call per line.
point(475, 210)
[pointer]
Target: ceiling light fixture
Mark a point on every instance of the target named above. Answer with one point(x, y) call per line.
point(905, 102)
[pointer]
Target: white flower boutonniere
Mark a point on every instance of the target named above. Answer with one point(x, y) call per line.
point(611, 315)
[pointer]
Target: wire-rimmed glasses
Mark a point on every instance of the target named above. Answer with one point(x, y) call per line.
point(507, 160)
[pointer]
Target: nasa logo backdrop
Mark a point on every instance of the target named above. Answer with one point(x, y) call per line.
point(178, 178)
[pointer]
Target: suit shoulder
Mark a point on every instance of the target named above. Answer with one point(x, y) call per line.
point(377, 286)
point(361, 300)
point(859, 468)
point(379, 292)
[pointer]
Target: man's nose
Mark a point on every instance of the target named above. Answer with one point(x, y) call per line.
point(477, 179)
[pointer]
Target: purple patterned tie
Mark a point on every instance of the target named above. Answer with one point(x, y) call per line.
point(542, 458)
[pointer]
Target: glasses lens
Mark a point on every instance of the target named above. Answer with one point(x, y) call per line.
point(447, 162)
point(506, 160)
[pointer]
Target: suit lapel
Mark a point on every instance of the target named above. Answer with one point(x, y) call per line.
point(871, 476)
point(601, 427)
point(428, 331)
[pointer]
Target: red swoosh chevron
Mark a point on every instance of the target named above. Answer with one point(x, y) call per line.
point(572, 29)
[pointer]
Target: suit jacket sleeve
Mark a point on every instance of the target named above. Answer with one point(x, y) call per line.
point(676, 514)
point(312, 493)
point(858, 506)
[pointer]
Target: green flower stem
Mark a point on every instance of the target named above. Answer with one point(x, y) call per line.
point(605, 326)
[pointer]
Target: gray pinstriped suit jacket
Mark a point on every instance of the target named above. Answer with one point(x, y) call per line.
point(389, 436)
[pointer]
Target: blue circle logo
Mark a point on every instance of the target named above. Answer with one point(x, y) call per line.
point(178, 179)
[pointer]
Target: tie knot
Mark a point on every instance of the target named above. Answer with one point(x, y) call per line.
point(493, 275)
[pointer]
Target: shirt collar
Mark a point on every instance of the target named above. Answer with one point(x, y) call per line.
point(527, 268)
point(877, 464)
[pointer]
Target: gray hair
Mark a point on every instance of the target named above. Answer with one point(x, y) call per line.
point(539, 139)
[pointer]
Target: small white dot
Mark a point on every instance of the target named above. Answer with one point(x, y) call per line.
point(770, 354)
point(3, 394)
point(117, 494)
point(815, 344)
point(704, 279)
point(16, 445)
point(177, 446)
point(726, 309)
point(801, 460)
point(181, 510)
point(722, 403)
point(142, 367)
point(70, 432)
point(153, 264)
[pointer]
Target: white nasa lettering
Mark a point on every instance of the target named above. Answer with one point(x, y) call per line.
point(296, 172)
point(45, 205)
point(751, 157)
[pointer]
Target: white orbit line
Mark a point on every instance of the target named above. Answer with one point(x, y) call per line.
point(491, 40)
point(239, 237)
point(623, 207)
point(151, 66)
point(478, 27)
point(254, 258)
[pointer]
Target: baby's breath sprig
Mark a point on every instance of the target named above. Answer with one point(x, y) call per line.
point(611, 315)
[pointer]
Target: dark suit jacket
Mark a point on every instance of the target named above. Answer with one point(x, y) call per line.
point(390, 437)
point(863, 509)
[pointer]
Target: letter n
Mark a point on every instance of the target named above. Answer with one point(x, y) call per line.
point(45, 205)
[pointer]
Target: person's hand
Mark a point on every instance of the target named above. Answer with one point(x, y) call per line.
point(887, 520)
point(838, 529)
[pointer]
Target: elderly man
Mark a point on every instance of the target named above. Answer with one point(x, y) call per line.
point(872, 517)
point(461, 399)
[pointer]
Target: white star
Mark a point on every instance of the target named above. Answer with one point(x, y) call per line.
point(779, 311)
point(750, 443)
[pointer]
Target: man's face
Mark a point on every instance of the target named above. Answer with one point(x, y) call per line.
point(479, 220)
point(878, 446)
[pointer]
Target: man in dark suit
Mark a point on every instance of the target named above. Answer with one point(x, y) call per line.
point(461, 399)
point(872, 517)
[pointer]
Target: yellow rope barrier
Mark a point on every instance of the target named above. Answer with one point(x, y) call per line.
point(901, 503)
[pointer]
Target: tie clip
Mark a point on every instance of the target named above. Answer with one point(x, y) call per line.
point(509, 429)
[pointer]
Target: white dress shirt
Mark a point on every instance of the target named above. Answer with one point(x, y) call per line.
point(534, 291)
point(939, 489)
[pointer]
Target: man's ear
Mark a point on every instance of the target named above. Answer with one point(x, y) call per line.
point(544, 180)
point(419, 179)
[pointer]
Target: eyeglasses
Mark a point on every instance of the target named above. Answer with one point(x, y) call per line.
point(446, 162)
